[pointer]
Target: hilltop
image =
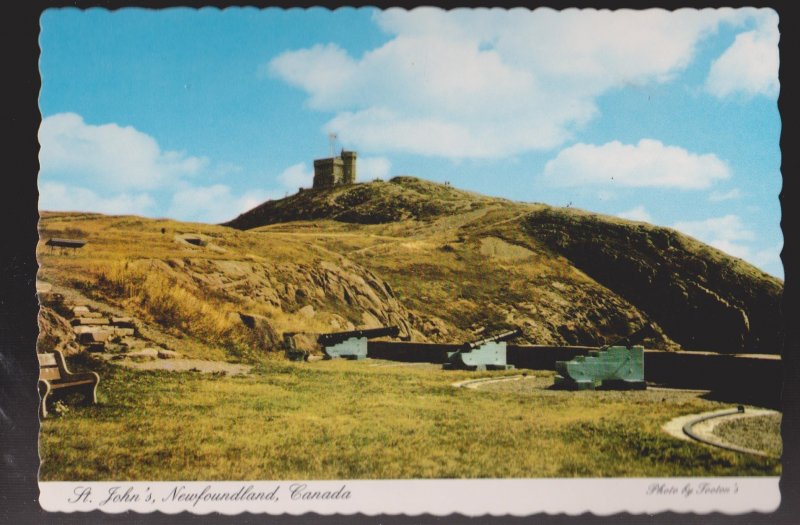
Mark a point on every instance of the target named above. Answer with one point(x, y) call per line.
point(443, 264)
point(400, 199)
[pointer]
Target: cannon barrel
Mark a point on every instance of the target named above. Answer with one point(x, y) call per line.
point(632, 338)
point(504, 336)
point(338, 337)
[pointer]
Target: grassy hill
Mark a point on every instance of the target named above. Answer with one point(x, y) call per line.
point(563, 275)
point(441, 263)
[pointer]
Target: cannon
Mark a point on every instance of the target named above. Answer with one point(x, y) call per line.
point(488, 353)
point(618, 366)
point(353, 344)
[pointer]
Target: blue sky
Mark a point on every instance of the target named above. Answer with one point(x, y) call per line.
point(666, 117)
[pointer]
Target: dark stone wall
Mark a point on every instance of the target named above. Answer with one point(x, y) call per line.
point(753, 379)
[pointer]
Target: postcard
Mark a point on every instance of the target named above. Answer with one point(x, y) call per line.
point(389, 261)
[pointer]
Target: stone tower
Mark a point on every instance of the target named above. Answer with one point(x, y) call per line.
point(335, 171)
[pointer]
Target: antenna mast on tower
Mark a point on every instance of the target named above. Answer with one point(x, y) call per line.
point(332, 141)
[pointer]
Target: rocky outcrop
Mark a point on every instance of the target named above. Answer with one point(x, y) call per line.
point(335, 288)
point(261, 327)
point(702, 298)
point(55, 333)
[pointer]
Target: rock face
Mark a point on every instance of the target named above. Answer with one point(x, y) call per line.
point(702, 298)
point(55, 333)
point(329, 287)
point(261, 326)
point(301, 342)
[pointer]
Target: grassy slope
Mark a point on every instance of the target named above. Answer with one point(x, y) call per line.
point(351, 420)
point(196, 292)
point(456, 262)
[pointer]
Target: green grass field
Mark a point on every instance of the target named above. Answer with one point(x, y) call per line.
point(356, 420)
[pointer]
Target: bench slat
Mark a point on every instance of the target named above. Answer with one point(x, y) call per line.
point(56, 386)
point(49, 373)
point(47, 360)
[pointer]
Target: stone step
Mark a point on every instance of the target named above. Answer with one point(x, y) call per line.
point(84, 329)
point(116, 330)
point(96, 336)
point(123, 322)
point(88, 321)
point(78, 311)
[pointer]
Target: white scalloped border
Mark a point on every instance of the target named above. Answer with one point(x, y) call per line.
point(495, 497)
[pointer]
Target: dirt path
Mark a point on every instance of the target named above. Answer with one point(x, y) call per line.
point(186, 365)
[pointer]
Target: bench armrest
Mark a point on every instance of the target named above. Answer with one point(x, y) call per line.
point(80, 376)
point(67, 376)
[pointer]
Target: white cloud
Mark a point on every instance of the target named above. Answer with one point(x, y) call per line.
point(61, 197)
point(117, 163)
point(727, 233)
point(730, 234)
point(646, 164)
point(297, 176)
point(636, 214)
point(750, 65)
point(108, 156)
point(719, 196)
point(769, 257)
point(213, 204)
point(307, 68)
point(490, 83)
point(371, 168)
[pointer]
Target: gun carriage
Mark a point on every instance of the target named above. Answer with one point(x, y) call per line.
point(353, 344)
point(488, 353)
point(618, 366)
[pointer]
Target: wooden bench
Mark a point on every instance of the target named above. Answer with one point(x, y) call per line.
point(56, 379)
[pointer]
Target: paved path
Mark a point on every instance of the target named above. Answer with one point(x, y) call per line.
point(705, 429)
point(483, 381)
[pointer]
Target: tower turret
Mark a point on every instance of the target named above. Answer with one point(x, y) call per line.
point(349, 167)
